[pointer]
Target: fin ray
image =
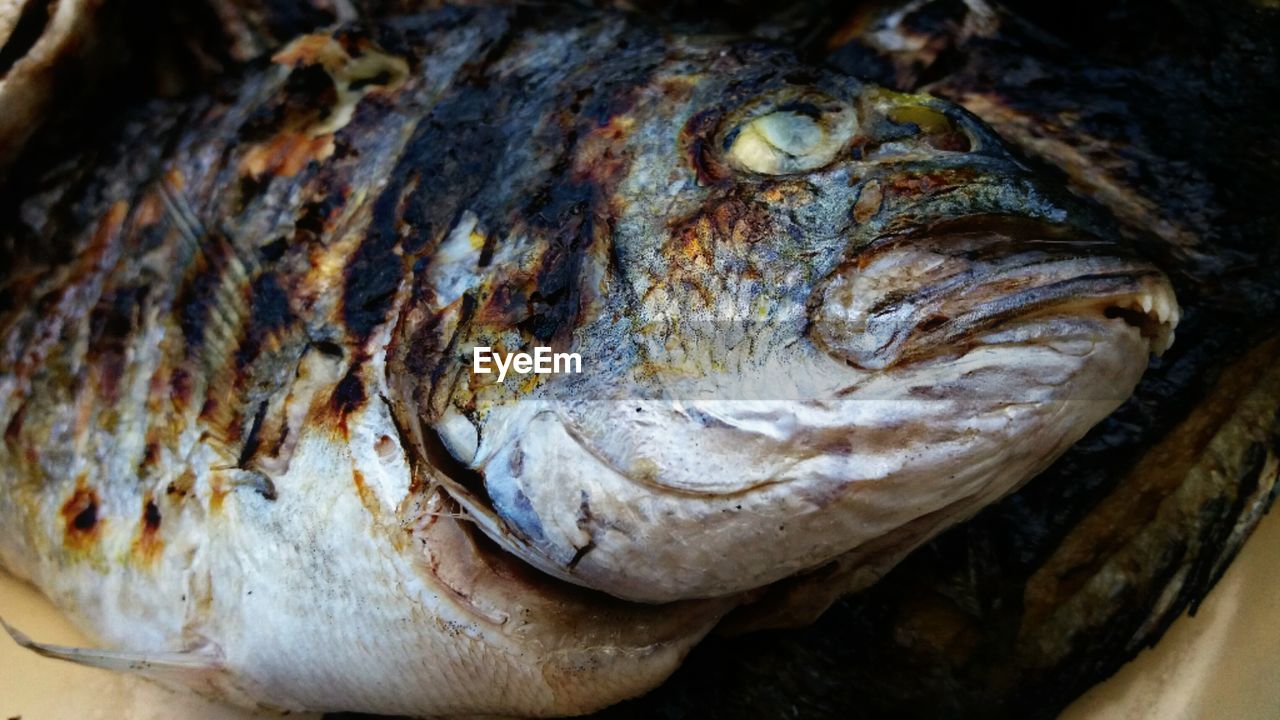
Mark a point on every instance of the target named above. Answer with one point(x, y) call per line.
point(183, 667)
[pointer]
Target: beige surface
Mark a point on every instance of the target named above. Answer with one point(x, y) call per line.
point(1222, 663)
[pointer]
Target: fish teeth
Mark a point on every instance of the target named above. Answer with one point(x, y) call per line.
point(1164, 308)
point(1145, 301)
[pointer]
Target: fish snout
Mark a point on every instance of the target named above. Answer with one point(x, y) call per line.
point(940, 289)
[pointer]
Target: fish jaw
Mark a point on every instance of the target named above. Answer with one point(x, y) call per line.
point(737, 479)
point(695, 498)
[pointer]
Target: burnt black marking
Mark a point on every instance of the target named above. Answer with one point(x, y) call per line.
point(564, 210)
point(113, 319)
point(180, 487)
point(269, 314)
point(270, 307)
point(308, 94)
point(111, 326)
point(80, 512)
point(697, 138)
point(202, 294)
point(420, 363)
point(254, 441)
point(1209, 566)
point(274, 250)
point(457, 147)
point(580, 553)
point(329, 348)
point(180, 388)
point(350, 394)
point(375, 270)
point(151, 516)
point(86, 519)
point(150, 456)
point(315, 215)
point(250, 187)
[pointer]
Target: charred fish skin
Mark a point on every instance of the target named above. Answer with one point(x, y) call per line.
point(198, 449)
point(1046, 593)
point(235, 400)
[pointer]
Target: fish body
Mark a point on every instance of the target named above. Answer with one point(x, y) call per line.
point(245, 445)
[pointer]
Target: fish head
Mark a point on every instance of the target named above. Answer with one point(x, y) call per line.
point(814, 317)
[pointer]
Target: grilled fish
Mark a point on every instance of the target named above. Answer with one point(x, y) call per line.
point(247, 446)
point(1018, 611)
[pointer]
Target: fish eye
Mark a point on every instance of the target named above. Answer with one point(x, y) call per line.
point(788, 138)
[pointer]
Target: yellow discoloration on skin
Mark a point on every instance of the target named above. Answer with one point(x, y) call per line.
point(790, 193)
point(286, 154)
point(181, 486)
point(149, 210)
point(366, 495)
point(529, 383)
point(311, 138)
point(317, 49)
point(329, 262)
point(217, 493)
point(324, 50)
point(695, 242)
point(926, 118)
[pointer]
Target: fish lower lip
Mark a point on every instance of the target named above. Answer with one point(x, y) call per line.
point(920, 294)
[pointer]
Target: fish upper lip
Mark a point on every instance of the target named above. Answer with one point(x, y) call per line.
point(914, 295)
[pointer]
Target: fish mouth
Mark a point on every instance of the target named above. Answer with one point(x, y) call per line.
point(941, 289)
point(982, 348)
